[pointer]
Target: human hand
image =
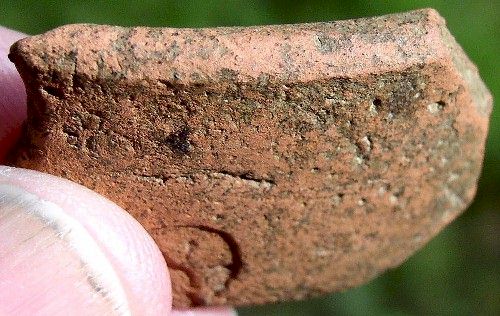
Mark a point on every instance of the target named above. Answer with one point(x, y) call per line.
point(63, 248)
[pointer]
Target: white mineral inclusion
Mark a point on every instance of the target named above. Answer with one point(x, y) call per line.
point(434, 108)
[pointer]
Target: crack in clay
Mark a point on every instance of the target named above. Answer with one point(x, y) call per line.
point(236, 258)
point(245, 178)
point(195, 281)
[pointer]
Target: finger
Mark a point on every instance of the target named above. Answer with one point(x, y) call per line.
point(66, 249)
point(12, 94)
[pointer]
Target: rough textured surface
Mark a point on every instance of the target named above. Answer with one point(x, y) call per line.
point(269, 163)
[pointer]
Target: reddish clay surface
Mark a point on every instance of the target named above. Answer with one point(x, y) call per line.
point(269, 163)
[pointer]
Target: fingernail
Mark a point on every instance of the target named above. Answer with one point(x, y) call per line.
point(49, 263)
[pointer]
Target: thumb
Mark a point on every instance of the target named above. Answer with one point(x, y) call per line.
point(64, 248)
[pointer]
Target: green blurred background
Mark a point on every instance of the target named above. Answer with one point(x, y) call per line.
point(458, 273)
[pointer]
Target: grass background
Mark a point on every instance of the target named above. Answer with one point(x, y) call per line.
point(457, 273)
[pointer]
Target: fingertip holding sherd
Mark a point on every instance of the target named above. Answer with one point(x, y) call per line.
point(64, 248)
point(47, 255)
point(12, 94)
